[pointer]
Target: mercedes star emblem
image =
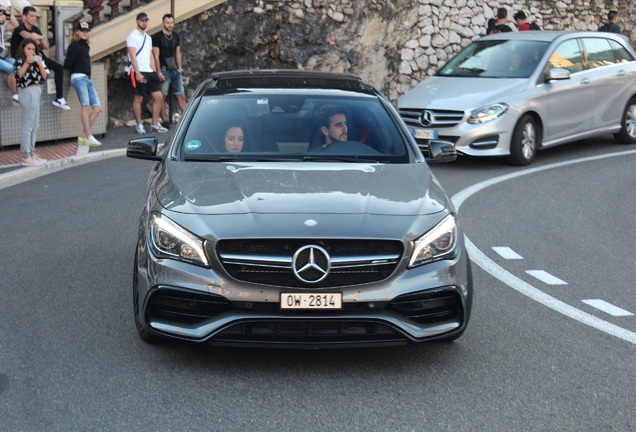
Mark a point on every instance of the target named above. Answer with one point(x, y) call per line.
point(311, 264)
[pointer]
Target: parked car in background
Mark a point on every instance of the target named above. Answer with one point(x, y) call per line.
point(258, 230)
point(511, 94)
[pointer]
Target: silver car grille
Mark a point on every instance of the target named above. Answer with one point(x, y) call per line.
point(429, 118)
point(270, 262)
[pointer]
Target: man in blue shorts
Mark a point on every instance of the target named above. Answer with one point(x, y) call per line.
point(166, 50)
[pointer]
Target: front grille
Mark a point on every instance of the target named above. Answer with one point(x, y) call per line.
point(429, 307)
point(269, 262)
point(185, 306)
point(440, 118)
point(309, 332)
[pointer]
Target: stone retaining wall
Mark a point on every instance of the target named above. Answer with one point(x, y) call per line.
point(393, 44)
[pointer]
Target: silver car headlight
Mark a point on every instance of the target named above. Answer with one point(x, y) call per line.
point(169, 240)
point(436, 244)
point(487, 113)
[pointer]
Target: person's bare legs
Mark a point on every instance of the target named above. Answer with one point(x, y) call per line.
point(157, 106)
point(136, 107)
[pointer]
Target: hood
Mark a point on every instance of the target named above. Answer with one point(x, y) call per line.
point(213, 188)
point(455, 93)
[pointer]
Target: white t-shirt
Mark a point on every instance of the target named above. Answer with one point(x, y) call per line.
point(16, 6)
point(136, 39)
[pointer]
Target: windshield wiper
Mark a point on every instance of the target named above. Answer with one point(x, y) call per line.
point(331, 158)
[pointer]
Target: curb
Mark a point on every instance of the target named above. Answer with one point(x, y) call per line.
point(28, 173)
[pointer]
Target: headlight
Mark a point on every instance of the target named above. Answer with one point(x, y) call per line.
point(436, 244)
point(487, 113)
point(169, 240)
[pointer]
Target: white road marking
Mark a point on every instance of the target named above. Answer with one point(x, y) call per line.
point(607, 307)
point(546, 277)
point(479, 258)
point(507, 253)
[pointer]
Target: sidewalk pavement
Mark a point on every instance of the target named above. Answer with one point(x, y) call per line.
point(62, 153)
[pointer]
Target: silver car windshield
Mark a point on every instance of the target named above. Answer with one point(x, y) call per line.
point(280, 127)
point(496, 59)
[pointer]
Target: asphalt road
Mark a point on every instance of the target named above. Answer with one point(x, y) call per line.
point(70, 358)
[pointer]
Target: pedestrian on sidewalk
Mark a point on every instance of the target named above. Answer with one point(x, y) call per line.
point(6, 62)
point(166, 49)
point(28, 30)
point(30, 72)
point(612, 23)
point(143, 74)
point(78, 60)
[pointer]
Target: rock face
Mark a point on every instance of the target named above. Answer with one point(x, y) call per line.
point(392, 44)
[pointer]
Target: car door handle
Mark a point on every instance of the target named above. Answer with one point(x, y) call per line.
point(585, 81)
point(621, 73)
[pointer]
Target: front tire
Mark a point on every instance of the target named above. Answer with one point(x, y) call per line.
point(627, 134)
point(525, 141)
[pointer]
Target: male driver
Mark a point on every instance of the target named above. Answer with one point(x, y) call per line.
point(6, 62)
point(612, 23)
point(333, 124)
point(143, 75)
point(28, 30)
point(166, 50)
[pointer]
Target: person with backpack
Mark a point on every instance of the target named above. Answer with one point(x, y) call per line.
point(521, 20)
point(612, 23)
point(500, 25)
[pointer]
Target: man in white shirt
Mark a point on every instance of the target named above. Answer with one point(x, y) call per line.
point(143, 74)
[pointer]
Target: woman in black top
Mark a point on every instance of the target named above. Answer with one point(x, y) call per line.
point(78, 60)
point(30, 72)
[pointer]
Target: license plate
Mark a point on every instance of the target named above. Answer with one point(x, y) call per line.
point(311, 301)
point(425, 133)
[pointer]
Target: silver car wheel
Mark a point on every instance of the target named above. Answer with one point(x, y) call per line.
point(627, 134)
point(528, 140)
point(630, 121)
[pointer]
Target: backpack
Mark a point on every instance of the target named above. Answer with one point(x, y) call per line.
point(534, 26)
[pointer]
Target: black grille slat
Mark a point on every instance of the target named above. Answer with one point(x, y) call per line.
point(185, 306)
point(428, 307)
point(353, 261)
point(309, 332)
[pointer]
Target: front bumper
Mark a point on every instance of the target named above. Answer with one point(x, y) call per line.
point(183, 301)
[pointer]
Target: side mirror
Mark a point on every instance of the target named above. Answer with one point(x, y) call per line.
point(143, 148)
point(441, 151)
point(558, 74)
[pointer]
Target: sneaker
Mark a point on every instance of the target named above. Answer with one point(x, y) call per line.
point(39, 159)
point(81, 141)
point(92, 141)
point(140, 129)
point(61, 103)
point(31, 161)
point(157, 128)
point(16, 98)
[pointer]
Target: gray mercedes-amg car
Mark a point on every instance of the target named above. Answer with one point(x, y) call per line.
point(293, 209)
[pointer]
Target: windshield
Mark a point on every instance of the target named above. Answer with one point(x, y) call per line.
point(496, 59)
point(279, 127)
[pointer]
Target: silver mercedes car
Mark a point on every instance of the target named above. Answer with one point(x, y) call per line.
point(294, 209)
point(511, 94)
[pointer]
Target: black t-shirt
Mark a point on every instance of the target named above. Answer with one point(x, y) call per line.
point(167, 46)
point(16, 38)
point(610, 28)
